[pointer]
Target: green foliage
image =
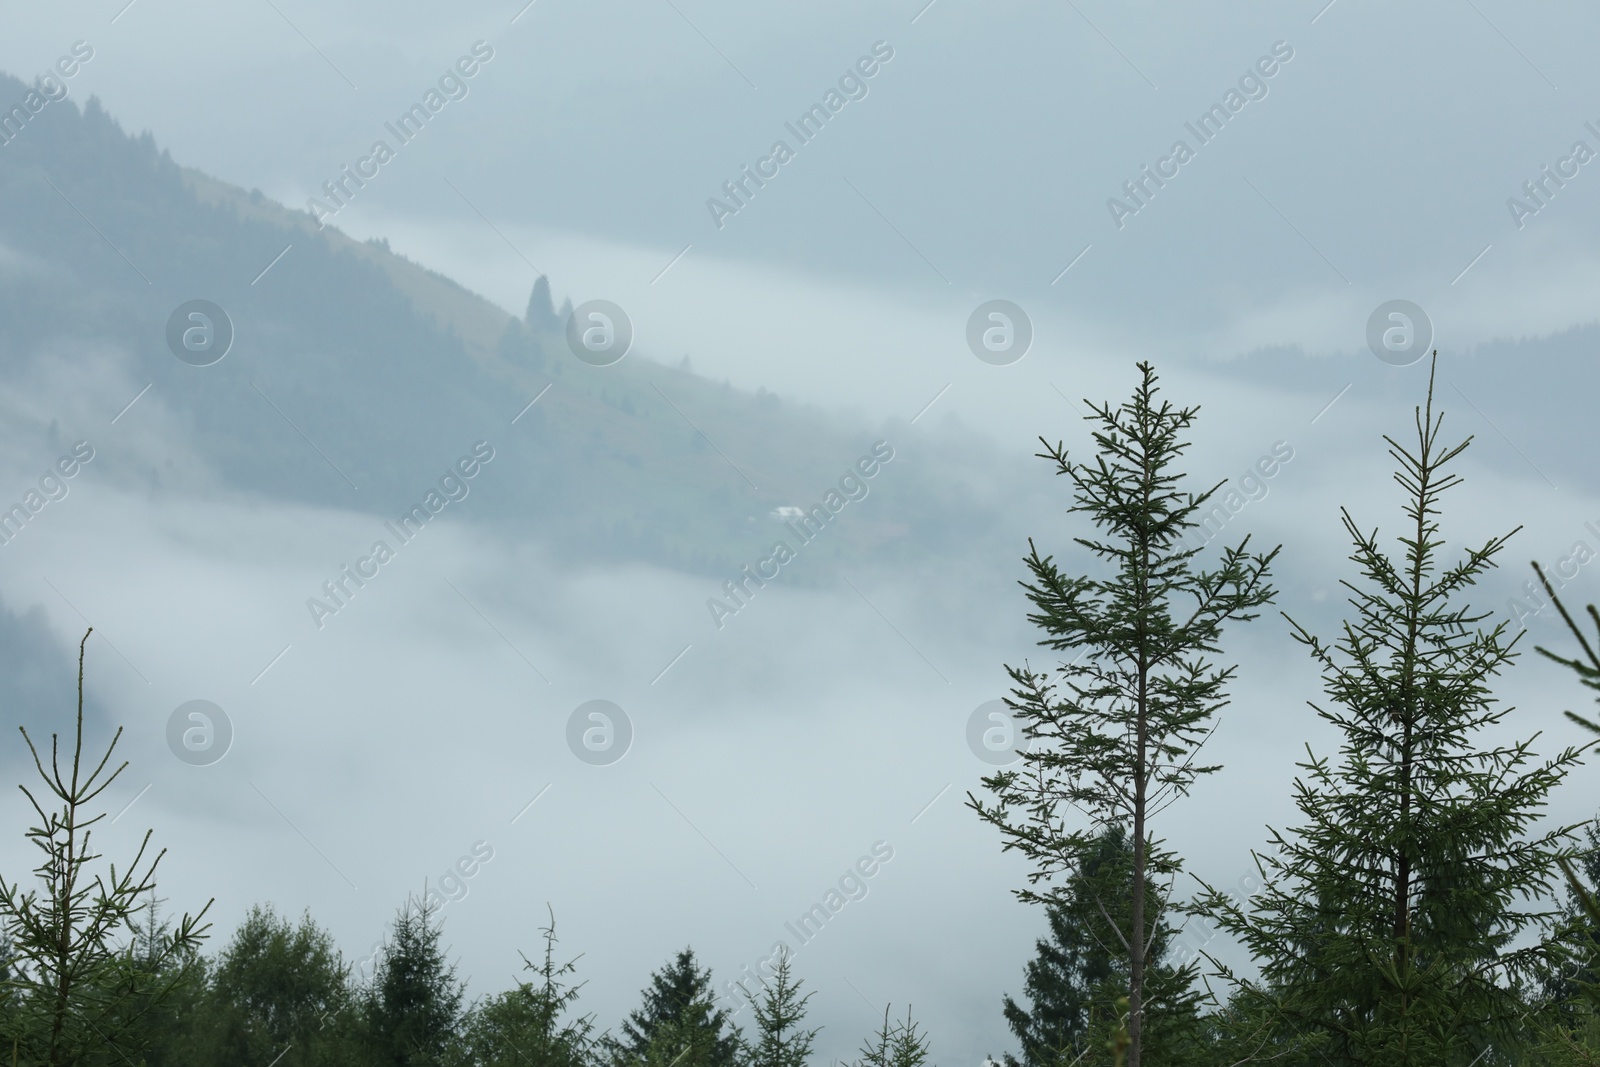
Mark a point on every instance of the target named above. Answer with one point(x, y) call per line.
point(161, 1023)
point(677, 1024)
point(1588, 668)
point(1079, 975)
point(1392, 927)
point(779, 1011)
point(414, 1004)
point(524, 1026)
point(895, 1045)
point(1117, 739)
point(76, 993)
point(1580, 977)
point(277, 989)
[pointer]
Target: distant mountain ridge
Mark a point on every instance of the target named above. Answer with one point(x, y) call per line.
point(356, 374)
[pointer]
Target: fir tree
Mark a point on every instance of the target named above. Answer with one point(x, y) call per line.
point(779, 1011)
point(414, 1004)
point(541, 313)
point(1117, 739)
point(1588, 672)
point(895, 1045)
point(1390, 929)
point(1581, 974)
point(686, 1040)
point(77, 994)
point(1588, 668)
point(1073, 984)
point(161, 1027)
point(1578, 977)
point(677, 1018)
point(525, 1026)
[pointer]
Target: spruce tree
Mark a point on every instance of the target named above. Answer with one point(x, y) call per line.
point(1116, 737)
point(678, 1018)
point(527, 1026)
point(1588, 671)
point(161, 1028)
point(1580, 977)
point(414, 1003)
point(1072, 985)
point(895, 1044)
point(541, 313)
point(80, 987)
point(1588, 668)
point(779, 1011)
point(1402, 921)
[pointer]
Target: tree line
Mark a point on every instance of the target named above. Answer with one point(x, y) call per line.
point(1419, 912)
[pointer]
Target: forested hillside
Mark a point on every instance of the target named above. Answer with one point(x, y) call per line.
point(354, 373)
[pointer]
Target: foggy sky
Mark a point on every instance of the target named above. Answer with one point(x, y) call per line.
point(774, 753)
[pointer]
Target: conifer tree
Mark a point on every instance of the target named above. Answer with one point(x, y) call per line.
point(687, 1040)
point(525, 1026)
point(1116, 737)
point(414, 1004)
point(1402, 922)
point(1588, 668)
point(678, 1018)
point(161, 1028)
point(779, 1011)
point(1073, 983)
point(1581, 975)
point(80, 989)
point(895, 1044)
point(1572, 988)
point(541, 313)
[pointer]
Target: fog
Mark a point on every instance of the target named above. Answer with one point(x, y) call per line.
point(430, 714)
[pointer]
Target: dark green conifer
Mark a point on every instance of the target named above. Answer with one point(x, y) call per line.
point(1074, 982)
point(414, 1004)
point(678, 1018)
point(1403, 921)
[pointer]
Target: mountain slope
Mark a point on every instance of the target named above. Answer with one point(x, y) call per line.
point(357, 377)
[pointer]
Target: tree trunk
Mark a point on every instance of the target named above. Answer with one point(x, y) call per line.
point(1141, 779)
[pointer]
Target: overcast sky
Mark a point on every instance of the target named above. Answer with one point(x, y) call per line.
point(1384, 158)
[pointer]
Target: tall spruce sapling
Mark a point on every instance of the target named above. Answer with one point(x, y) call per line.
point(780, 1011)
point(1116, 737)
point(529, 1026)
point(895, 1044)
point(78, 993)
point(1404, 920)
